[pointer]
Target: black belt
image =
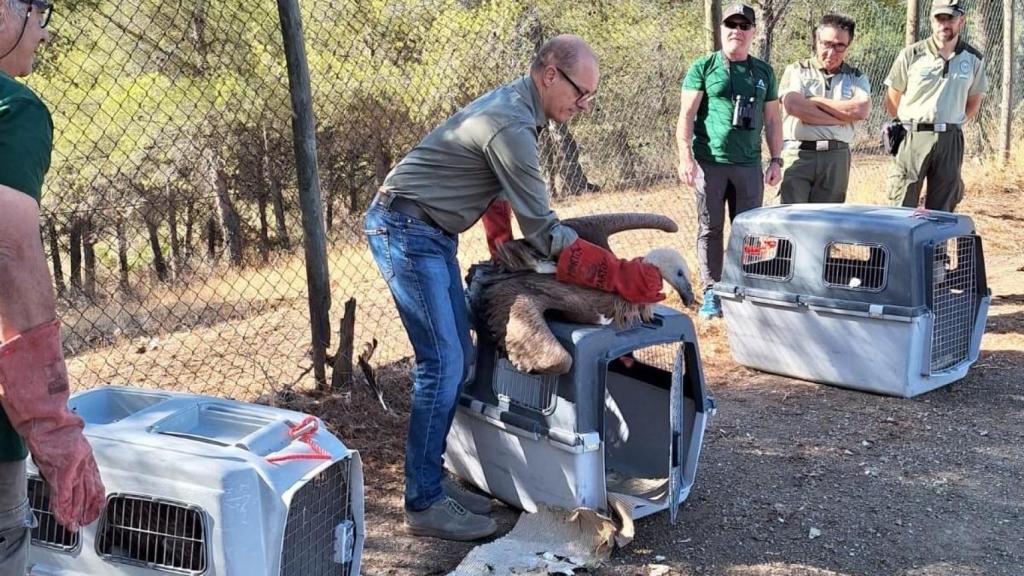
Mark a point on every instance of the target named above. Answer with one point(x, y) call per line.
point(405, 206)
point(932, 127)
point(822, 145)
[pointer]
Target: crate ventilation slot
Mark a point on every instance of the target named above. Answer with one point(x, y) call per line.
point(532, 391)
point(159, 535)
point(768, 257)
point(856, 266)
point(48, 534)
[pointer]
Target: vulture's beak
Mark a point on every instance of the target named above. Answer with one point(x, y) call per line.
point(682, 286)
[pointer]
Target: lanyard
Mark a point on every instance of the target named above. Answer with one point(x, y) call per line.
point(728, 67)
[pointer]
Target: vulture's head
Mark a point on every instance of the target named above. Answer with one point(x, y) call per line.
point(674, 271)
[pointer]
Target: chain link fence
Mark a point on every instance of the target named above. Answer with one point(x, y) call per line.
point(171, 214)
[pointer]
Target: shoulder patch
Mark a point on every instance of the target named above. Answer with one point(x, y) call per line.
point(973, 51)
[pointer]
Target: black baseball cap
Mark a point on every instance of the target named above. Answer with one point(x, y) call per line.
point(739, 9)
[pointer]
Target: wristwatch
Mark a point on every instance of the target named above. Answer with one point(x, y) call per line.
point(776, 160)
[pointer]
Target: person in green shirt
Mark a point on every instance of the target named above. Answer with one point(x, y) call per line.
point(728, 97)
point(934, 87)
point(33, 377)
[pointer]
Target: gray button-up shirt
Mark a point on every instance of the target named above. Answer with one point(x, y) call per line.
point(487, 149)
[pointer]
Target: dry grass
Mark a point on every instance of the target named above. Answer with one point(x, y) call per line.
point(243, 332)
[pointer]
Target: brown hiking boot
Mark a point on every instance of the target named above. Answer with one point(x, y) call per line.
point(475, 503)
point(447, 519)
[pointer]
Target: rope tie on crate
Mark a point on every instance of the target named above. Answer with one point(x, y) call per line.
point(303, 432)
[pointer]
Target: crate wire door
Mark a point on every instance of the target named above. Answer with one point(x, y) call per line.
point(954, 301)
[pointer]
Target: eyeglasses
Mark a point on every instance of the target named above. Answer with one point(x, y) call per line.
point(45, 11)
point(834, 46)
point(734, 24)
point(585, 97)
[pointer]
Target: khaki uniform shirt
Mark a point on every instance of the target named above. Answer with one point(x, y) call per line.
point(810, 79)
point(487, 149)
point(935, 90)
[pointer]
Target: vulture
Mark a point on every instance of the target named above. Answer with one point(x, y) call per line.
point(510, 298)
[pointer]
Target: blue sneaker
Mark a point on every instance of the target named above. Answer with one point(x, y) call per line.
point(712, 306)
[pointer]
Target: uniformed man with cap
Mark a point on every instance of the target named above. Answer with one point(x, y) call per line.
point(822, 100)
point(727, 98)
point(934, 87)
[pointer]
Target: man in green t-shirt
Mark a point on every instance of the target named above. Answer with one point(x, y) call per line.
point(33, 378)
point(728, 97)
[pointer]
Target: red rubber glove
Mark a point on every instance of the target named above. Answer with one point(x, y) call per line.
point(497, 225)
point(589, 265)
point(34, 393)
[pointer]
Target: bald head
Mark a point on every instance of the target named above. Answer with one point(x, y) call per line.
point(566, 51)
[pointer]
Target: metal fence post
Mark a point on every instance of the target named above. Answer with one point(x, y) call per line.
point(1006, 108)
point(314, 238)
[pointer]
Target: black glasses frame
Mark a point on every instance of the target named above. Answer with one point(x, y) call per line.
point(585, 97)
point(837, 47)
point(45, 11)
point(732, 25)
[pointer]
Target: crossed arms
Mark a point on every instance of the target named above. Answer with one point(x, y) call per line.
point(820, 111)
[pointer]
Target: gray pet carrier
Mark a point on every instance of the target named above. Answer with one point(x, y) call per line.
point(627, 421)
point(888, 300)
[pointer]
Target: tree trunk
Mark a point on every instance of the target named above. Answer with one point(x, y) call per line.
point(261, 200)
point(177, 265)
point(212, 238)
point(272, 184)
point(122, 257)
point(912, 22)
point(712, 17)
point(329, 212)
point(230, 224)
point(89, 258)
point(75, 249)
point(58, 268)
point(190, 220)
point(159, 264)
point(279, 215)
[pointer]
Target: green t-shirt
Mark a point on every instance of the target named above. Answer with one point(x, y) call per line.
point(26, 139)
point(714, 138)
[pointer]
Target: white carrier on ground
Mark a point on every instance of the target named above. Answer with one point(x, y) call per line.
point(199, 485)
point(887, 300)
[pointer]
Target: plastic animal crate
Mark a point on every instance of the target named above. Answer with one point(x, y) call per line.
point(886, 300)
point(206, 486)
point(627, 419)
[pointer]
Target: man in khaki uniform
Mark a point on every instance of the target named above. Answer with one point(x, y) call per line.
point(822, 99)
point(934, 87)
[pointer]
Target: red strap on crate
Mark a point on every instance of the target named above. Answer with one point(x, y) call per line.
point(303, 432)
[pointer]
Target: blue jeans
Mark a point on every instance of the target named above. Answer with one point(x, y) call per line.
point(420, 266)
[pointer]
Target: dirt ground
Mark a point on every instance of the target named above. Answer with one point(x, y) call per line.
point(931, 486)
